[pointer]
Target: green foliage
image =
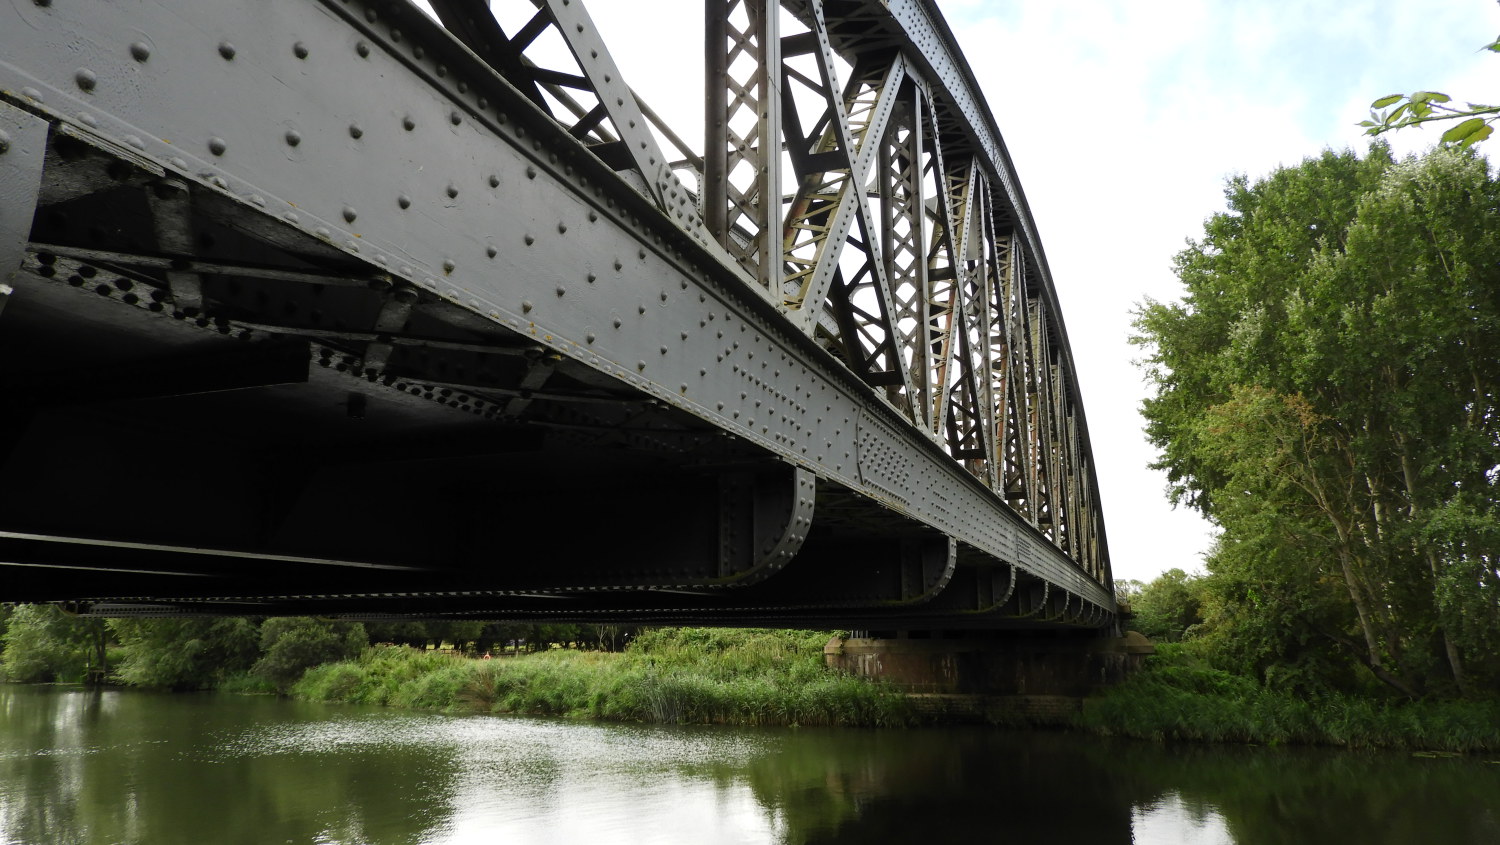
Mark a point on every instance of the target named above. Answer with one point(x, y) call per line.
point(1397, 111)
point(184, 653)
point(1328, 392)
point(1168, 607)
point(290, 645)
point(675, 676)
point(1180, 697)
point(42, 643)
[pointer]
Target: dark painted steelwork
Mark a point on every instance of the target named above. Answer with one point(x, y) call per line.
point(326, 307)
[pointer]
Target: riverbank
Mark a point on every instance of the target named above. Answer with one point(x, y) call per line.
point(737, 677)
point(1177, 698)
point(668, 676)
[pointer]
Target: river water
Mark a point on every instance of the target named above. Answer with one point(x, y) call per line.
point(132, 767)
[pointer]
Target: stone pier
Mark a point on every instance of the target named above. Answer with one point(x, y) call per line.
point(1037, 678)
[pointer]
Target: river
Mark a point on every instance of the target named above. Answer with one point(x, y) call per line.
point(89, 766)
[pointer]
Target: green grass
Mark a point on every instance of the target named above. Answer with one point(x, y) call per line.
point(672, 676)
point(1178, 699)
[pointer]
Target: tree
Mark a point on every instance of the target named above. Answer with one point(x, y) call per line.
point(1397, 111)
point(1168, 606)
point(1327, 393)
point(185, 653)
point(291, 645)
point(42, 643)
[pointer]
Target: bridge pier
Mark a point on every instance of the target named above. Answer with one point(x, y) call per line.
point(1012, 665)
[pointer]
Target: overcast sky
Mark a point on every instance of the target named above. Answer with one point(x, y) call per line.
point(1124, 118)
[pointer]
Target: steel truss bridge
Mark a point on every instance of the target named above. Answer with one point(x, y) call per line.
point(328, 307)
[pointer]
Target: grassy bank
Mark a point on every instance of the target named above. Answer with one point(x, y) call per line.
point(1179, 698)
point(674, 676)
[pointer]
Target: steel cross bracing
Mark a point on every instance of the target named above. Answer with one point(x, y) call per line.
point(817, 368)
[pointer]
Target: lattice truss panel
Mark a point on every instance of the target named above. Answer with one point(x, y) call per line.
point(839, 177)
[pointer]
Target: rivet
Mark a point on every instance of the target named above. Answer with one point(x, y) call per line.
point(491, 251)
point(663, 350)
point(135, 141)
point(321, 231)
point(349, 214)
point(356, 131)
point(589, 338)
point(455, 118)
point(452, 190)
point(293, 137)
point(408, 124)
point(448, 265)
point(88, 120)
point(640, 365)
point(226, 50)
point(362, 49)
point(4, 142)
point(561, 227)
point(299, 50)
point(561, 290)
point(494, 181)
point(592, 278)
point(530, 172)
point(526, 306)
point(617, 322)
point(217, 146)
point(404, 201)
point(529, 240)
point(442, 70)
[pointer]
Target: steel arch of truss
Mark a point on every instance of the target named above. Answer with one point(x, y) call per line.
point(886, 221)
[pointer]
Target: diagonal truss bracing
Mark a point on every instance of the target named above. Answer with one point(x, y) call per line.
point(850, 173)
point(904, 248)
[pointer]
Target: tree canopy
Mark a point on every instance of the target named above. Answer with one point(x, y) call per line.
point(1326, 392)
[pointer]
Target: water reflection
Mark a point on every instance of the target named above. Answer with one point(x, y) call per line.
point(92, 767)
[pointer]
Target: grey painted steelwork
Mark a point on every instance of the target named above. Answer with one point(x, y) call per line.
point(454, 336)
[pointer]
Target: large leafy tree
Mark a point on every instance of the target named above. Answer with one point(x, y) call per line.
point(185, 653)
point(1326, 391)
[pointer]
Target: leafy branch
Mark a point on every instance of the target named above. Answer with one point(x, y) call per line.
point(1398, 111)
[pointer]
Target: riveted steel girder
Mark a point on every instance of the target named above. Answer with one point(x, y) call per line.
point(460, 238)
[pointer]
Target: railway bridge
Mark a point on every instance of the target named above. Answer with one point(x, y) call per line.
point(355, 309)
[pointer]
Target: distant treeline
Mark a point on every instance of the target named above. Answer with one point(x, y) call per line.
point(40, 643)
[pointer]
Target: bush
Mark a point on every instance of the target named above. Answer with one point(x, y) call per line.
point(291, 645)
point(675, 676)
point(1178, 698)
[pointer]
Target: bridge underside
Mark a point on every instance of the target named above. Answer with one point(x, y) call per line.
point(226, 393)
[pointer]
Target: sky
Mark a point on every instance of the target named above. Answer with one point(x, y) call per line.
point(1124, 118)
